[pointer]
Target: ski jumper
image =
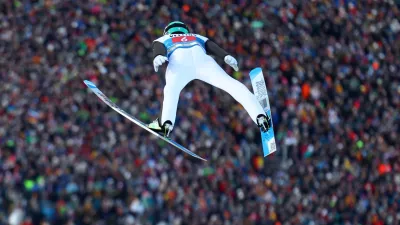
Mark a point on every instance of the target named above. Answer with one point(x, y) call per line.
point(188, 60)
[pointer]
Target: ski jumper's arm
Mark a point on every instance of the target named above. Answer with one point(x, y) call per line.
point(159, 49)
point(213, 49)
point(159, 53)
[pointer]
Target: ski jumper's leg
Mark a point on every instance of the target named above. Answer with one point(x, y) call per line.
point(176, 78)
point(213, 74)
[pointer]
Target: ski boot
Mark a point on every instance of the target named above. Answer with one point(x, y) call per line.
point(264, 122)
point(164, 129)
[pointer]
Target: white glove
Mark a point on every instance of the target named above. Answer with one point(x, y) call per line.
point(231, 61)
point(158, 61)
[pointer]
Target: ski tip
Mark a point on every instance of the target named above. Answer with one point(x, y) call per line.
point(89, 84)
point(205, 160)
point(196, 156)
point(254, 72)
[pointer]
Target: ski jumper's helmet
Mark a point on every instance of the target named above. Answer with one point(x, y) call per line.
point(176, 27)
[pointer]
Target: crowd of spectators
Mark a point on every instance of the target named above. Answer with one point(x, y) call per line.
point(332, 71)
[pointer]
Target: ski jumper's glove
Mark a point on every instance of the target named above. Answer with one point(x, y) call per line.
point(158, 61)
point(231, 62)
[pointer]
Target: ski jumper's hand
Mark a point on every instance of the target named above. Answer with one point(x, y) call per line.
point(231, 62)
point(158, 61)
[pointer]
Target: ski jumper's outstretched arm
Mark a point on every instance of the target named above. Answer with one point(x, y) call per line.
point(159, 55)
point(213, 49)
point(159, 49)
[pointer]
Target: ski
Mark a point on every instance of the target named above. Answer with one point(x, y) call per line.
point(260, 91)
point(106, 100)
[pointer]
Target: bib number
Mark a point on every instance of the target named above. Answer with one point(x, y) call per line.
point(183, 39)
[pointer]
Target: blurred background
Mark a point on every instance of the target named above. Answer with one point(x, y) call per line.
point(332, 71)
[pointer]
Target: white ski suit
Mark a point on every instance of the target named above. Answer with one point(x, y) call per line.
point(188, 61)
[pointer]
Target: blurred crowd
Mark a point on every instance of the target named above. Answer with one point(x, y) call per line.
point(332, 71)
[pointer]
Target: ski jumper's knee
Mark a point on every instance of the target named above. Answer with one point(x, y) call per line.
point(247, 99)
point(238, 91)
